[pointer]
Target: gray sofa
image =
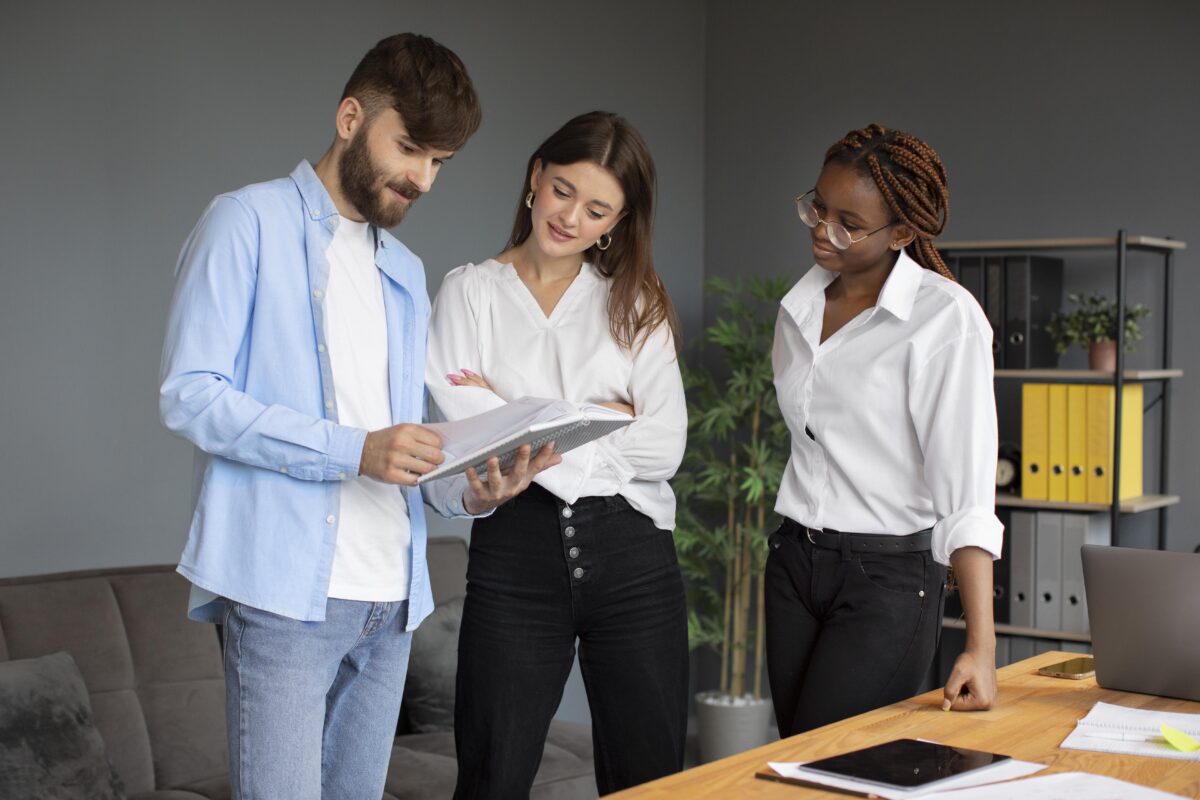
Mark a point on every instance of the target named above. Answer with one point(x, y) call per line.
point(157, 689)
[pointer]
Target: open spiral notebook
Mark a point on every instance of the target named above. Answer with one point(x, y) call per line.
point(1109, 728)
point(535, 421)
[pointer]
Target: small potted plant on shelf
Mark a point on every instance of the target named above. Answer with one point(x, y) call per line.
point(1093, 326)
point(737, 449)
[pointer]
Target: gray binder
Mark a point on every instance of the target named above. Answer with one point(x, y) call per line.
point(1047, 571)
point(1078, 530)
point(1020, 578)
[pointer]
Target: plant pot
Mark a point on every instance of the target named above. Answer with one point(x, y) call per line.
point(1103, 356)
point(729, 725)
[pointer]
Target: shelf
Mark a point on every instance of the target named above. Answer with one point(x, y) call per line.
point(1132, 505)
point(1088, 375)
point(1015, 630)
point(1132, 242)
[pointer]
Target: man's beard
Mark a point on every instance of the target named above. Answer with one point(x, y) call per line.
point(363, 184)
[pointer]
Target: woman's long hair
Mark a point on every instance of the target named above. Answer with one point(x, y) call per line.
point(638, 302)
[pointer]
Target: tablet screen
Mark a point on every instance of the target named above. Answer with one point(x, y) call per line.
point(905, 763)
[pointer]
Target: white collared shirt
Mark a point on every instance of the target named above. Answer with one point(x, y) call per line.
point(486, 320)
point(901, 408)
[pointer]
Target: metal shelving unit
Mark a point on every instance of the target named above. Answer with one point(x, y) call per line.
point(1121, 244)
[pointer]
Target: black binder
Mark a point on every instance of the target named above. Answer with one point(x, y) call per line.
point(993, 305)
point(1033, 291)
point(970, 275)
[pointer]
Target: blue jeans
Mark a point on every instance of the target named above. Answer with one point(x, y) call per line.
point(312, 706)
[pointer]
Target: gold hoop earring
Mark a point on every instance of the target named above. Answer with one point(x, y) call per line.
point(602, 244)
point(529, 200)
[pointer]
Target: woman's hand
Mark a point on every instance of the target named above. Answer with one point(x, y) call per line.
point(500, 487)
point(464, 377)
point(624, 408)
point(972, 683)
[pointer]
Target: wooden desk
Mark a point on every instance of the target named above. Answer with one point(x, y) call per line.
point(1032, 716)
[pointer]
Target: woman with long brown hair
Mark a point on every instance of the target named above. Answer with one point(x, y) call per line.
point(572, 309)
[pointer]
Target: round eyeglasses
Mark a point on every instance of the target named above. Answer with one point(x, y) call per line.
point(839, 237)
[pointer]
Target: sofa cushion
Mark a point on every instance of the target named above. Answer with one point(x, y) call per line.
point(49, 745)
point(429, 689)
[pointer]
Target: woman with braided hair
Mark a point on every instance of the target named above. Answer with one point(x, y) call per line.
point(883, 369)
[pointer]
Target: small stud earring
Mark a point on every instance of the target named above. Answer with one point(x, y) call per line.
point(529, 200)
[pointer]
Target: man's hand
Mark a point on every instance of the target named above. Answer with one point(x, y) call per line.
point(400, 454)
point(972, 682)
point(501, 487)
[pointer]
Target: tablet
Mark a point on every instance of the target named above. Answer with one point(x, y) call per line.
point(905, 763)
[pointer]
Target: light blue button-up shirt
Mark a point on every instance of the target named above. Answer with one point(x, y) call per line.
point(246, 378)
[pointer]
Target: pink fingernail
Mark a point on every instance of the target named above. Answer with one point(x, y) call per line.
point(452, 378)
point(468, 373)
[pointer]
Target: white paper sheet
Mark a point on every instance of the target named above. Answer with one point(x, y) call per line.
point(1061, 786)
point(1140, 728)
point(1002, 771)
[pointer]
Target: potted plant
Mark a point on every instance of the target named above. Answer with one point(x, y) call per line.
point(1093, 326)
point(737, 450)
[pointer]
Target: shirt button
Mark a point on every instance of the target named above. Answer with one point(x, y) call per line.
point(569, 532)
point(329, 404)
point(573, 552)
point(568, 513)
point(317, 293)
point(341, 476)
point(320, 348)
point(283, 470)
point(330, 519)
point(578, 573)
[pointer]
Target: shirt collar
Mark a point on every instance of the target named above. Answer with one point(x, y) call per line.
point(897, 296)
point(317, 202)
point(798, 301)
point(899, 291)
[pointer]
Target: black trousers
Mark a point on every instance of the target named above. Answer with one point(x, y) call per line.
point(543, 575)
point(846, 632)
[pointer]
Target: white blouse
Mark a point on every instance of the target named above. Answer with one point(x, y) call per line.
point(901, 409)
point(486, 320)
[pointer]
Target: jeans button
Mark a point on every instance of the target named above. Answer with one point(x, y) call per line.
point(567, 512)
point(578, 573)
point(573, 552)
point(569, 532)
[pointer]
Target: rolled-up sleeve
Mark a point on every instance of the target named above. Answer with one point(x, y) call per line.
point(953, 406)
point(207, 325)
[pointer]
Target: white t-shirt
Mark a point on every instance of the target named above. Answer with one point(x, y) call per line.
point(901, 409)
point(370, 559)
point(486, 320)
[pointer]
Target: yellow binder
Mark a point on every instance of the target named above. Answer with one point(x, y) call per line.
point(1056, 459)
point(1035, 440)
point(1077, 458)
point(1101, 404)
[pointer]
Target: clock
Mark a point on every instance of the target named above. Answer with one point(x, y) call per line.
point(1008, 468)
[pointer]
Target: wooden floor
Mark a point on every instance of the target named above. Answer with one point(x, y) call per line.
point(1031, 718)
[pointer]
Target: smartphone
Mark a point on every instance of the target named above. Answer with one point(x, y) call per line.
point(1075, 669)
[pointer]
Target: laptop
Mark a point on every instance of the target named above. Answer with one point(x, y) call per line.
point(1144, 610)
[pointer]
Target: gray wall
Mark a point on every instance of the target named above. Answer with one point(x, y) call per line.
point(1054, 120)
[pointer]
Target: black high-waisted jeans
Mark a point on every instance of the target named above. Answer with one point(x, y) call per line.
point(543, 574)
point(846, 632)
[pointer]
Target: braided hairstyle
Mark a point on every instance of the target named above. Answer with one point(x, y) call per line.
point(910, 176)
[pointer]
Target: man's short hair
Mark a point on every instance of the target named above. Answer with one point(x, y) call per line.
point(425, 83)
